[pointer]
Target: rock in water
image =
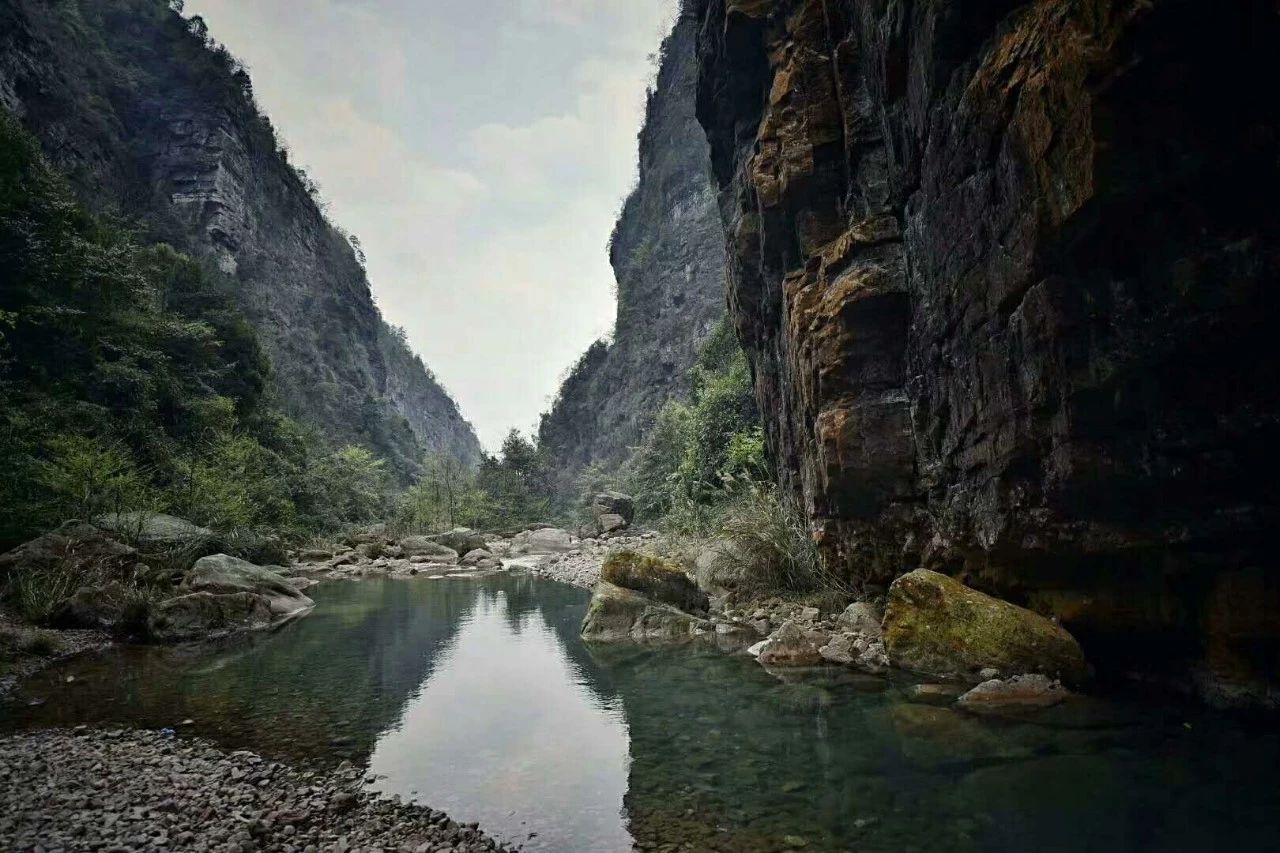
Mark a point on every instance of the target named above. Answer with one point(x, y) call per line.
point(480, 559)
point(937, 626)
point(791, 645)
point(655, 578)
point(221, 574)
point(427, 550)
point(1020, 693)
point(618, 614)
point(201, 615)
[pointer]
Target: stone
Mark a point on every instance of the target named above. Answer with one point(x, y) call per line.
point(200, 615)
point(424, 549)
point(222, 574)
point(480, 559)
point(719, 567)
point(610, 523)
point(1020, 693)
point(614, 503)
point(935, 625)
point(153, 528)
point(862, 617)
point(618, 614)
point(463, 540)
point(935, 694)
point(550, 540)
point(105, 608)
point(839, 650)
point(76, 549)
point(656, 578)
point(791, 645)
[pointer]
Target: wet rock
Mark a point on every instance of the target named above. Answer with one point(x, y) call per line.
point(654, 577)
point(936, 625)
point(792, 645)
point(616, 613)
point(200, 615)
point(935, 694)
point(1020, 693)
point(862, 617)
point(224, 574)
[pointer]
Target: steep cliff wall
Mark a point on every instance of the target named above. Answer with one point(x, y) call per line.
point(668, 256)
point(1006, 272)
point(149, 122)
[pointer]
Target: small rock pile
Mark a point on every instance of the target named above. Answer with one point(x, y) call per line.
point(134, 790)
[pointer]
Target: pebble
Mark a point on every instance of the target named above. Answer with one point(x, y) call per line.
point(135, 790)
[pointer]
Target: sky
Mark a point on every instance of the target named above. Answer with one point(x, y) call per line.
point(480, 150)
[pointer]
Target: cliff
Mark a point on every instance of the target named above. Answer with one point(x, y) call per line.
point(1005, 272)
point(667, 254)
point(153, 122)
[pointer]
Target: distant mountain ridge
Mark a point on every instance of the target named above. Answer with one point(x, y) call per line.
point(152, 121)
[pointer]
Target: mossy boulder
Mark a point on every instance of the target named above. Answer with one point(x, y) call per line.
point(655, 578)
point(618, 614)
point(937, 626)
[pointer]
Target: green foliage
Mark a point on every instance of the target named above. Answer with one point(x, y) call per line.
point(697, 456)
point(517, 483)
point(446, 497)
point(771, 547)
point(86, 477)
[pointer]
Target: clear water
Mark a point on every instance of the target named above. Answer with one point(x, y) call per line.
point(476, 695)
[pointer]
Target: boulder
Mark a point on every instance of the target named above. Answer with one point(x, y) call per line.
point(719, 567)
point(937, 626)
point(221, 574)
point(862, 617)
point(427, 548)
point(480, 559)
point(201, 615)
point(1020, 693)
point(610, 523)
point(618, 614)
point(655, 578)
point(614, 503)
point(549, 540)
point(104, 608)
point(76, 549)
point(934, 694)
point(463, 540)
point(792, 645)
point(153, 528)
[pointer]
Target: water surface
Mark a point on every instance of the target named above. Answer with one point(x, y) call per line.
point(476, 695)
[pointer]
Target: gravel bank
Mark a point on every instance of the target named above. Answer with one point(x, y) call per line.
point(136, 790)
point(581, 567)
point(25, 650)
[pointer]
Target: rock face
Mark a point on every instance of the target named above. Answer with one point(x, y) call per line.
point(990, 264)
point(668, 258)
point(147, 121)
point(937, 626)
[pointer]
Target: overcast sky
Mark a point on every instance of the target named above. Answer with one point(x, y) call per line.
point(480, 150)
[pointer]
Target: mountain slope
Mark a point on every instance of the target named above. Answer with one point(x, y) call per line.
point(152, 121)
point(668, 257)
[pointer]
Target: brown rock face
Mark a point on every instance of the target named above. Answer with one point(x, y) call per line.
point(1005, 271)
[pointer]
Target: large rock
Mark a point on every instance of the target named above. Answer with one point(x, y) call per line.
point(719, 567)
point(618, 614)
point(480, 559)
point(154, 528)
point(75, 549)
point(655, 578)
point(793, 645)
point(463, 540)
point(1020, 693)
point(427, 549)
point(990, 289)
point(937, 626)
point(610, 523)
point(549, 540)
point(110, 607)
point(221, 574)
point(614, 503)
point(862, 617)
point(202, 615)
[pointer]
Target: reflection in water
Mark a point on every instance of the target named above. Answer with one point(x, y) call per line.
point(477, 696)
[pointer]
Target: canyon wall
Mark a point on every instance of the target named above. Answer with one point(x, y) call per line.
point(1006, 274)
point(153, 122)
point(667, 253)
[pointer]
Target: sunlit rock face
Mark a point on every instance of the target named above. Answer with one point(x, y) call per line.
point(668, 257)
point(148, 123)
point(1005, 272)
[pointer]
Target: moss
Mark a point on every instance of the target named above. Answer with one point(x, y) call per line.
point(654, 577)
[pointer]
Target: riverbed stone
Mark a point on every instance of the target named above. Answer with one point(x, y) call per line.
point(200, 615)
point(1020, 693)
point(427, 550)
point(862, 617)
point(656, 578)
point(550, 540)
point(610, 523)
point(619, 614)
point(614, 503)
point(463, 540)
point(221, 574)
point(935, 625)
point(792, 645)
point(480, 558)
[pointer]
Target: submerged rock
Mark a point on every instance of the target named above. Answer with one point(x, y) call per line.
point(617, 614)
point(654, 577)
point(1020, 693)
point(937, 626)
point(221, 574)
